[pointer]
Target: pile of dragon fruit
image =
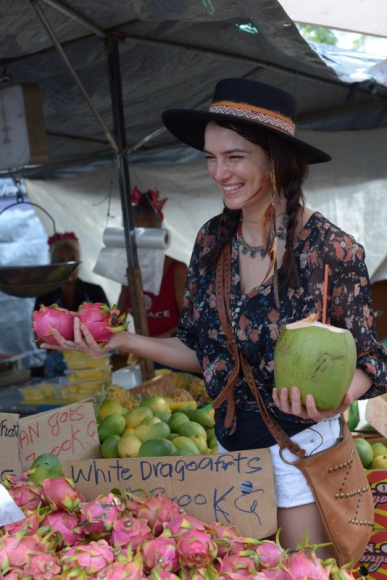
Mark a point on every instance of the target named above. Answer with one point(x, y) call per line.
point(98, 317)
point(121, 535)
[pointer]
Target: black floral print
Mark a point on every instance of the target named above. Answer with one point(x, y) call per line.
point(257, 322)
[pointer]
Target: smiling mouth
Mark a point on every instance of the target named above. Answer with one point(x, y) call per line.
point(229, 189)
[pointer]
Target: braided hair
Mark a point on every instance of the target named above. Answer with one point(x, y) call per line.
point(290, 168)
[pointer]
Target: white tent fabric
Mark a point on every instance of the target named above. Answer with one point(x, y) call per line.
point(344, 190)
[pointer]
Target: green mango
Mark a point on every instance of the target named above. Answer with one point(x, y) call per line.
point(45, 466)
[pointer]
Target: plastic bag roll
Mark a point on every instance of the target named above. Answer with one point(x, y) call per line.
point(150, 238)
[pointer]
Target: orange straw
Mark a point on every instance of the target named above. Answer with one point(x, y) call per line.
point(326, 272)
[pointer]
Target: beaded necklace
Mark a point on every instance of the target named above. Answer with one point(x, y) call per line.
point(261, 250)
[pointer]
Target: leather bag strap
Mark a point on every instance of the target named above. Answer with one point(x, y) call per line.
point(223, 291)
point(223, 274)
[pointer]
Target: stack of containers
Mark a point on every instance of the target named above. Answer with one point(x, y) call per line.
point(85, 375)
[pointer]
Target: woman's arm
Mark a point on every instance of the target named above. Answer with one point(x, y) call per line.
point(170, 352)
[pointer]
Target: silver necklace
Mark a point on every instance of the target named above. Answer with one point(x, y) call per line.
point(261, 250)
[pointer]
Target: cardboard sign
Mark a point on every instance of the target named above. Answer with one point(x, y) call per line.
point(374, 559)
point(9, 447)
point(70, 432)
point(377, 479)
point(235, 488)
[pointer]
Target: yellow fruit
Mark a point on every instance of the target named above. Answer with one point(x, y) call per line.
point(128, 446)
point(213, 442)
point(158, 447)
point(109, 406)
point(156, 431)
point(150, 420)
point(183, 406)
point(187, 444)
point(109, 447)
point(134, 417)
point(156, 403)
point(113, 424)
point(379, 462)
point(379, 449)
point(191, 428)
point(128, 431)
point(201, 443)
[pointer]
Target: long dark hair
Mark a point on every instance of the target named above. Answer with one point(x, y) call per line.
point(290, 169)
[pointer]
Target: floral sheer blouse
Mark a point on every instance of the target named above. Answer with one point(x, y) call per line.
point(257, 322)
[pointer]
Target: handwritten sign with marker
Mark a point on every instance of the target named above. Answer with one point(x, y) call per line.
point(235, 488)
point(70, 432)
point(9, 447)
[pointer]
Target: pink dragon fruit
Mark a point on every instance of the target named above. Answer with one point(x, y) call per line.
point(30, 524)
point(157, 509)
point(160, 553)
point(182, 523)
point(229, 540)
point(97, 516)
point(304, 565)
point(164, 575)
point(101, 320)
point(66, 525)
point(91, 557)
point(60, 493)
point(120, 570)
point(201, 573)
point(49, 317)
point(25, 493)
point(244, 563)
point(129, 530)
point(269, 553)
point(43, 566)
point(196, 548)
point(16, 549)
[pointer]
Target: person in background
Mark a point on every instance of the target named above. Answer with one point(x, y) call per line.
point(162, 310)
point(64, 247)
point(279, 248)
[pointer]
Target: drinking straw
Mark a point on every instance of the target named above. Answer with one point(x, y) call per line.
point(324, 315)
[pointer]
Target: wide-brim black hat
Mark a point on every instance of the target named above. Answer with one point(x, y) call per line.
point(244, 102)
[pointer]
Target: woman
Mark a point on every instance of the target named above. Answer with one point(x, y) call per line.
point(64, 247)
point(162, 310)
point(278, 252)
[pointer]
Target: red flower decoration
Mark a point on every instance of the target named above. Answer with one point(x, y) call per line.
point(58, 237)
point(153, 196)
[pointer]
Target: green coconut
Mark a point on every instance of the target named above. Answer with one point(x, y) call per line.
point(319, 359)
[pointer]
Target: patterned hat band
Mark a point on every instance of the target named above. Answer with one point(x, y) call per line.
point(255, 114)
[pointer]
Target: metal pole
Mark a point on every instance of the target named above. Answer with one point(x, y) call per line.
point(133, 272)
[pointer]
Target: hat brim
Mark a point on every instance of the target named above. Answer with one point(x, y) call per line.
point(189, 125)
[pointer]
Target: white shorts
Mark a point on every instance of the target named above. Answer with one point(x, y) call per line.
point(291, 487)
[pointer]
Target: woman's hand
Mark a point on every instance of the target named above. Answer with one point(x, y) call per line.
point(309, 410)
point(84, 341)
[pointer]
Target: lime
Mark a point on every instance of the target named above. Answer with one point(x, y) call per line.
point(365, 451)
point(177, 419)
point(158, 447)
point(113, 424)
point(156, 431)
point(109, 447)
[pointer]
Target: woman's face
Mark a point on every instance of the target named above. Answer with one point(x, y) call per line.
point(238, 167)
point(67, 253)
